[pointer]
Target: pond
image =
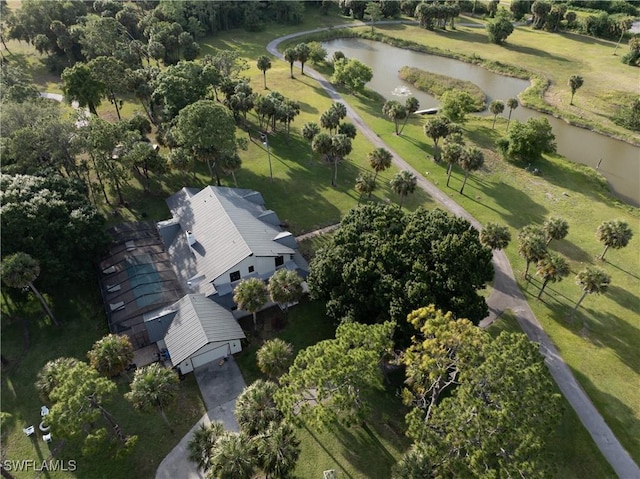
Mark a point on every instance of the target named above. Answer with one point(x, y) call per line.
point(617, 161)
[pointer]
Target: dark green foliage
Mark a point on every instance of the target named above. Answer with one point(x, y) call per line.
point(526, 142)
point(383, 263)
point(499, 28)
point(51, 219)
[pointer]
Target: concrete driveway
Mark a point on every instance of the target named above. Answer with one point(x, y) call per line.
point(219, 386)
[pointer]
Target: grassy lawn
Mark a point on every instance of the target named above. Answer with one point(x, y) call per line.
point(366, 452)
point(83, 324)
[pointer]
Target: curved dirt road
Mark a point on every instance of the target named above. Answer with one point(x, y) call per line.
point(506, 293)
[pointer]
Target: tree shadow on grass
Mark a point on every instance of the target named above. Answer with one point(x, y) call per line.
point(319, 442)
point(519, 209)
point(624, 298)
point(362, 447)
point(570, 250)
point(533, 52)
point(620, 268)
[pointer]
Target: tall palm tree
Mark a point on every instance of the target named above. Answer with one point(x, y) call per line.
point(575, 82)
point(614, 234)
point(365, 184)
point(111, 355)
point(153, 386)
point(264, 64)
point(472, 159)
point(341, 146)
point(555, 228)
point(532, 245)
point(380, 160)
point(551, 268)
point(302, 54)
point(396, 112)
point(403, 183)
point(291, 55)
point(251, 295)
point(274, 357)
point(20, 270)
point(232, 457)
point(436, 128)
point(512, 103)
point(496, 107)
point(285, 287)
point(256, 408)
point(451, 153)
point(411, 106)
point(593, 280)
point(278, 450)
point(200, 445)
point(495, 236)
point(309, 132)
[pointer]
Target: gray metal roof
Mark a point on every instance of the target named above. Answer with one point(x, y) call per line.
point(227, 230)
point(198, 322)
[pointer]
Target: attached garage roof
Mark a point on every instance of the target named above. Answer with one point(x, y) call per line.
point(199, 321)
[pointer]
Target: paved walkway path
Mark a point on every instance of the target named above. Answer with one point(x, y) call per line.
point(506, 294)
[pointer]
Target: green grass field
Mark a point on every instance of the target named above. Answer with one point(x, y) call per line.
point(604, 356)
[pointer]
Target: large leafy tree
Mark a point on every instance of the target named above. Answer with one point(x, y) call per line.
point(575, 82)
point(264, 64)
point(153, 387)
point(274, 357)
point(111, 355)
point(251, 295)
point(555, 228)
point(551, 268)
point(285, 288)
point(20, 270)
point(374, 12)
point(532, 245)
point(200, 445)
point(278, 450)
point(329, 380)
point(613, 234)
point(471, 159)
point(112, 74)
point(384, 263)
point(79, 401)
point(256, 407)
point(592, 280)
point(497, 420)
point(79, 84)
point(351, 73)
point(499, 28)
point(495, 236)
point(403, 183)
point(208, 130)
point(526, 142)
point(51, 219)
point(456, 104)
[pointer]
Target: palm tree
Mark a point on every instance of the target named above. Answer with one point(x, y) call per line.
point(256, 408)
point(278, 450)
point(614, 234)
point(451, 153)
point(50, 375)
point(380, 160)
point(20, 270)
point(309, 132)
point(274, 357)
point(285, 287)
point(339, 109)
point(291, 55)
point(232, 458)
point(512, 103)
point(575, 82)
point(555, 228)
point(403, 183)
point(200, 445)
point(411, 106)
point(341, 146)
point(495, 236)
point(593, 280)
point(111, 355)
point(153, 386)
point(302, 54)
point(472, 159)
point(436, 128)
point(532, 245)
point(264, 64)
point(395, 111)
point(551, 268)
point(365, 184)
point(496, 107)
point(251, 295)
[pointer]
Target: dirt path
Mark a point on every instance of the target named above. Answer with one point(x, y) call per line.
point(506, 294)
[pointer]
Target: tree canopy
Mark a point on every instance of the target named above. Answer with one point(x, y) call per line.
point(351, 73)
point(383, 263)
point(526, 142)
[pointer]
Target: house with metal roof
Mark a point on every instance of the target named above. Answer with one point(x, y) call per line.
point(218, 236)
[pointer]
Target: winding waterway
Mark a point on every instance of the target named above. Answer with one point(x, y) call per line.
point(619, 162)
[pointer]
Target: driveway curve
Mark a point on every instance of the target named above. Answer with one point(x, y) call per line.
point(506, 293)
